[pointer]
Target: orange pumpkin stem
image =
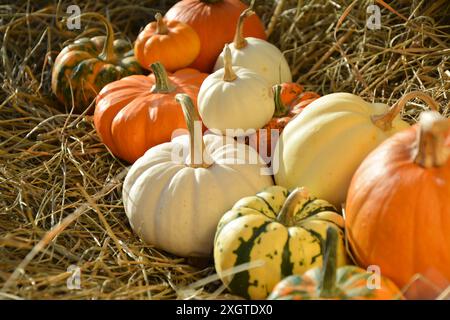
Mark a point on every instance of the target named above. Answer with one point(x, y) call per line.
point(281, 110)
point(287, 212)
point(162, 82)
point(384, 121)
point(229, 74)
point(197, 145)
point(161, 27)
point(431, 150)
point(239, 39)
point(327, 286)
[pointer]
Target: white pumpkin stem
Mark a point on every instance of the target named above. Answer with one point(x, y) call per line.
point(384, 121)
point(327, 284)
point(431, 149)
point(191, 116)
point(161, 27)
point(239, 39)
point(229, 75)
point(162, 81)
point(287, 212)
point(107, 53)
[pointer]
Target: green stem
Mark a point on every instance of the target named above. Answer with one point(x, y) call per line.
point(191, 116)
point(107, 53)
point(431, 149)
point(327, 285)
point(384, 121)
point(239, 39)
point(162, 82)
point(281, 109)
point(287, 212)
point(229, 74)
point(161, 27)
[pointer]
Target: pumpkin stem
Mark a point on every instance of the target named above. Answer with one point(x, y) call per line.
point(281, 109)
point(229, 74)
point(191, 117)
point(107, 53)
point(327, 284)
point(287, 212)
point(161, 27)
point(239, 39)
point(384, 121)
point(162, 82)
point(431, 150)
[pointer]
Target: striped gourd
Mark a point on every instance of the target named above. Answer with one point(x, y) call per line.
point(84, 67)
point(330, 282)
point(283, 231)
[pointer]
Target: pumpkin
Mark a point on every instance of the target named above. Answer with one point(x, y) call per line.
point(174, 199)
point(84, 67)
point(398, 207)
point(172, 43)
point(290, 100)
point(215, 22)
point(139, 112)
point(233, 100)
point(282, 230)
point(330, 282)
point(323, 146)
point(257, 55)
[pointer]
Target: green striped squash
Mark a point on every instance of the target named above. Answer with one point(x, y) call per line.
point(84, 67)
point(281, 232)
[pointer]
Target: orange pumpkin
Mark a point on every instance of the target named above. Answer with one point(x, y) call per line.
point(173, 43)
point(398, 207)
point(332, 283)
point(215, 22)
point(290, 100)
point(139, 112)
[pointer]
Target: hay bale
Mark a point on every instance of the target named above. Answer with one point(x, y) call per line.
point(60, 200)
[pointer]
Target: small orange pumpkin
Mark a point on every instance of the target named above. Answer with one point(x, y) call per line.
point(398, 206)
point(173, 43)
point(139, 112)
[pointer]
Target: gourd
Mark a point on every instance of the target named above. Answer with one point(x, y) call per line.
point(84, 67)
point(257, 55)
point(282, 230)
point(176, 193)
point(324, 145)
point(233, 100)
point(329, 282)
point(215, 22)
point(398, 207)
point(290, 100)
point(172, 43)
point(139, 112)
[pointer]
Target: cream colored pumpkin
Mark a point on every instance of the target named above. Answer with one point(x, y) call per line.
point(235, 98)
point(324, 145)
point(174, 201)
point(257, 55)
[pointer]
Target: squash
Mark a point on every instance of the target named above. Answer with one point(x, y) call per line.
point(215, 22)
point(290, 100)
point(398, 207)
point(172, 43)
point(233, 100)
point(176, 193)
point(84, 67)
point(330, 282)
point(324, 145)
point(282, 230)
point(257, 55)
point(139, 112)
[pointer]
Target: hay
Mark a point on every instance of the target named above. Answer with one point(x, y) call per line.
point(60, 200)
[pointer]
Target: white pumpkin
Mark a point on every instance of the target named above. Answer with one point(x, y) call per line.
point(257, 55)
point(324, 145)
point(235, 98)
point(174, 201)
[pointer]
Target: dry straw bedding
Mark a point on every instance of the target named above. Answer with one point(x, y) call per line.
point(60, 200)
